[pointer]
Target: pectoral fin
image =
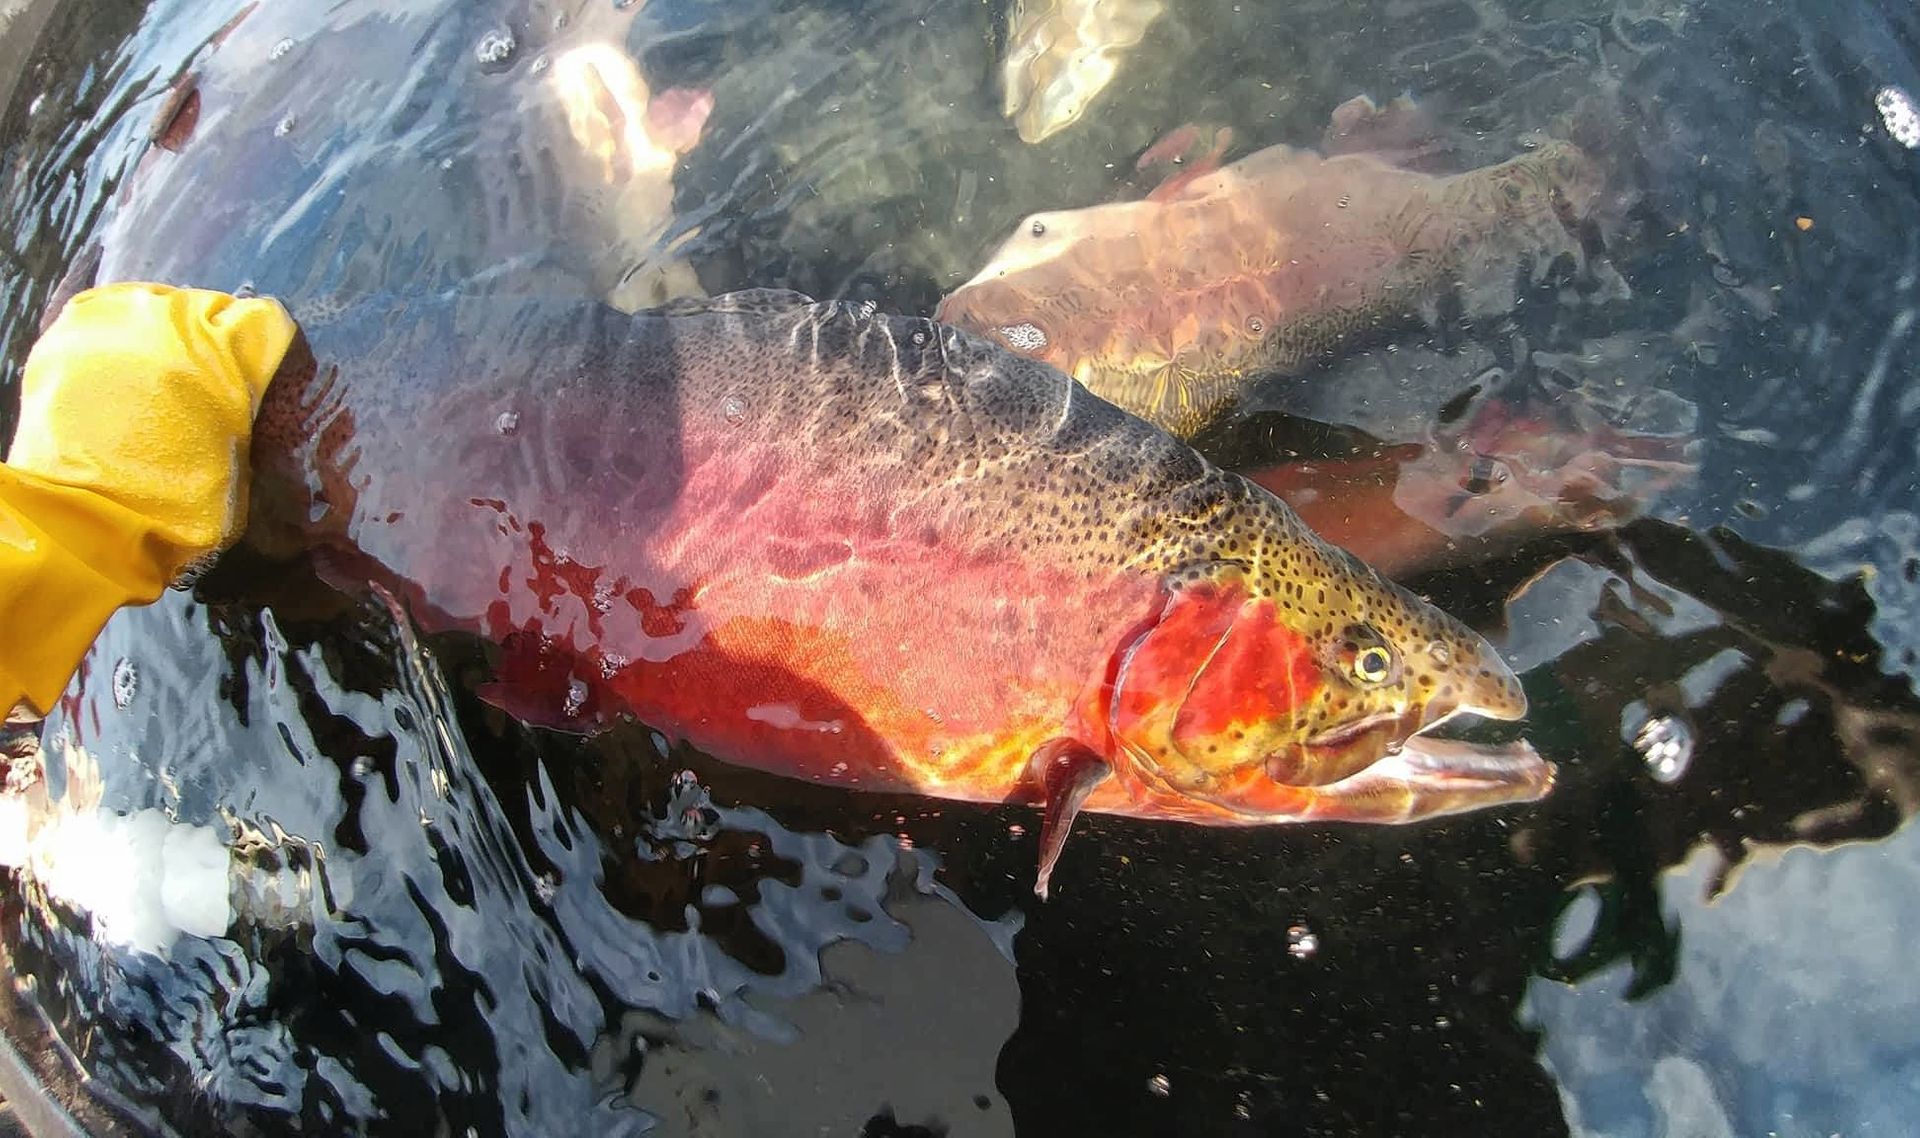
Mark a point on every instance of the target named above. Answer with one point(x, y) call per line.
point(1066, 771)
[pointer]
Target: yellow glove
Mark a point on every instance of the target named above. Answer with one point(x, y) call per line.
point(129, 463)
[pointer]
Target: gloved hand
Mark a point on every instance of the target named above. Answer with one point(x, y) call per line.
point(130, 463)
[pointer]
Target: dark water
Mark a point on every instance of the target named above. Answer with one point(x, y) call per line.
point(406, 913)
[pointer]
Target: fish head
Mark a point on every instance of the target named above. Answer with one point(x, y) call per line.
point(1269, 689)
point(1040, 293)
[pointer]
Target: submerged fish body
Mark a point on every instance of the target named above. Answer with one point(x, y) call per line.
point(1170, 308)
point(874, 551)
point(1061, 54)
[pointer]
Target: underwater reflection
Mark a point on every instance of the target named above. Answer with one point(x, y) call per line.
point(522, 140)
point(1699, 980)
point(374, 934)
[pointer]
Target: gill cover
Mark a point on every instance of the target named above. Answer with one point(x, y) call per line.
point(1231, 696)
point(1217, 685)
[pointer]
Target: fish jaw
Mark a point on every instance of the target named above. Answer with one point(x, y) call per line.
point(1424, 778)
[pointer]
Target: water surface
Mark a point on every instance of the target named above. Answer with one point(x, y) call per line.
point(439, 920)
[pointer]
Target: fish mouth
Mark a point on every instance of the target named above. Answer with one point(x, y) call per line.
point(1384, 738)
point(1347, 734)
point(1338, 752)
point(1511, 772)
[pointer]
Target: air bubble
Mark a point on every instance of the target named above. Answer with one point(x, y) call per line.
point(1665, 742)
point(1256, 325)
point(735, 409)
point(1039, 229)
point(507, 423)
point(495, 48)
point(126, 678)
point(284, 127)
point(279, 50)
point(361, 768)
point(1301, 942)
point(1160, 1085)
point(545, 887)
point(576, 696)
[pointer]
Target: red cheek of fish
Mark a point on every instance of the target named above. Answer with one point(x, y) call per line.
point(1251, 689)
point(1216, 679)
point(1154, 677)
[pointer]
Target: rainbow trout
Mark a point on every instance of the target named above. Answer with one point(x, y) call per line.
point(1172, 306)
point(873, 551)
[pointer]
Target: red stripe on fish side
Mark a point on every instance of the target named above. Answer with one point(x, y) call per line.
point(736, 696)
point(1261, 675)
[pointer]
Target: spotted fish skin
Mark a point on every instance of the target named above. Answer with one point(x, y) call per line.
point(1170, 308)
point(868, 550)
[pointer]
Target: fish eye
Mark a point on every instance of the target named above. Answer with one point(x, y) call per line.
point(1372, 664)
point(1367, 655)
